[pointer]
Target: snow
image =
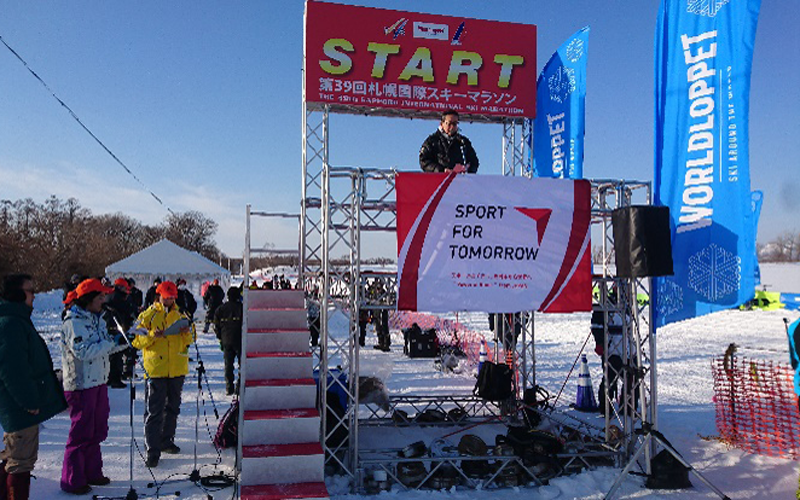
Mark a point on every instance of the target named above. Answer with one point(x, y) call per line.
point(686, 414)
point(781, 277)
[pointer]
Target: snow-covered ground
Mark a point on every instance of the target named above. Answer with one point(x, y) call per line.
point(685, 415)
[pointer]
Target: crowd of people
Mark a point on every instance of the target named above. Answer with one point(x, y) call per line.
point(276, 282)
point(105, 326)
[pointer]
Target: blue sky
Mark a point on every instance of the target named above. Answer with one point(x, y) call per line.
point(202, 100)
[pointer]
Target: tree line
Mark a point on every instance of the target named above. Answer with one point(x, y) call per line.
point(55, 239)
point(58, 238)
point(784, 248)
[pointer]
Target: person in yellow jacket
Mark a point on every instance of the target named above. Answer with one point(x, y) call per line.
point(166, 362)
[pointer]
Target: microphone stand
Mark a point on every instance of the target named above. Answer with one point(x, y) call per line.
point(132, 493)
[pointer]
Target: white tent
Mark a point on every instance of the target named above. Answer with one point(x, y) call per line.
point(168, 261)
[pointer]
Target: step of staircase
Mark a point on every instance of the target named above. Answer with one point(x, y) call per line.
point(280, 426)
point(288, 491)
point(272, 340)
point(282, 464)
point(279, 394)
point(289, 319)
point(275, 299)
point(278, 365)
point(281, 453)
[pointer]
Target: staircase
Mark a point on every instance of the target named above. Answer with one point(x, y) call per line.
point(281, 453)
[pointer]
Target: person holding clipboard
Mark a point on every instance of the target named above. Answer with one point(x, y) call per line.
point(164, 335)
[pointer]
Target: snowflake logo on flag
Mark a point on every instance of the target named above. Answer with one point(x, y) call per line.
point(670, 297)
point(575, 50)
point(705, 7)
point(561, 84)
point(714, 272)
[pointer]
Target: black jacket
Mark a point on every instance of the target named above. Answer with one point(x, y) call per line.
point(228, 324)
point(136, 298)
point(119, 306)
point(214, 296)
point(186, 302)
point(150, 296)
point(439, 152)
point(27, 379)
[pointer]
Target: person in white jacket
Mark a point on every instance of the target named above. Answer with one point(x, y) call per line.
point(85, 349)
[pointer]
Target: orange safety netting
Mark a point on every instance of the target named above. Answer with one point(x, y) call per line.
point(756, 407)
point(448, 332)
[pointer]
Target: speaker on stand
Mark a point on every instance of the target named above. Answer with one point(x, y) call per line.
point(642, 245)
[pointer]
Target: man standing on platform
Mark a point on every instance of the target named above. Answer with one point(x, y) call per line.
point(446, 150)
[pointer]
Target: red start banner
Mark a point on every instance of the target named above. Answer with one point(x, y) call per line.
point(394, 60)
point(493, 243)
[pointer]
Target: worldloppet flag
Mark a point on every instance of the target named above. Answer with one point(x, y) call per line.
point(559, 125)
point(704, 52)
point(757, 199)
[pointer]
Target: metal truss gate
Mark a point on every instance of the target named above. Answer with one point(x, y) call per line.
point(341, 206)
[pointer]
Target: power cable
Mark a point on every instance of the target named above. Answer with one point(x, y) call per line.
point(78, 120)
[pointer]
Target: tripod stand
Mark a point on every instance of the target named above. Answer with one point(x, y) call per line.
point(216, 480)
point(651, 434)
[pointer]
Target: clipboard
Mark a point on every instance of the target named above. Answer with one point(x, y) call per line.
point(175, 328)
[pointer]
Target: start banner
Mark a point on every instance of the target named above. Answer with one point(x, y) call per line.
point(394, 60)
point(493, 243)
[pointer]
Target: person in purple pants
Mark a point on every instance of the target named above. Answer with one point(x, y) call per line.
point(85, 349)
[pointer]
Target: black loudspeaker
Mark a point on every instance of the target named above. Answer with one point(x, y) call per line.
point(642, 245)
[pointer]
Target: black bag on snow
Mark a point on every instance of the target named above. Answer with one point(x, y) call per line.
point(423, 344)
point(495, 382)
point(667, 473)
point(531, 441)
point(227, 435)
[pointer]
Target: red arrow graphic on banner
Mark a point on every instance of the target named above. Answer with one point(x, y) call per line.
point(540, 215)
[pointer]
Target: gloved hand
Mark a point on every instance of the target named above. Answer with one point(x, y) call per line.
point(119, 340)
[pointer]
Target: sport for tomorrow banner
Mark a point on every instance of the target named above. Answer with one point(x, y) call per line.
point(704, 54)
point(493, 243)
point(387, 60)
point(560, 122)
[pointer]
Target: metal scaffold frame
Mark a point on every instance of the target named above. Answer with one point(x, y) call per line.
point(618, 299)
point(353, 201)
point(249, 251)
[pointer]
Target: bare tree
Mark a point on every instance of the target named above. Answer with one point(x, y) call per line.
point(193, 231)
point(59, 238)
